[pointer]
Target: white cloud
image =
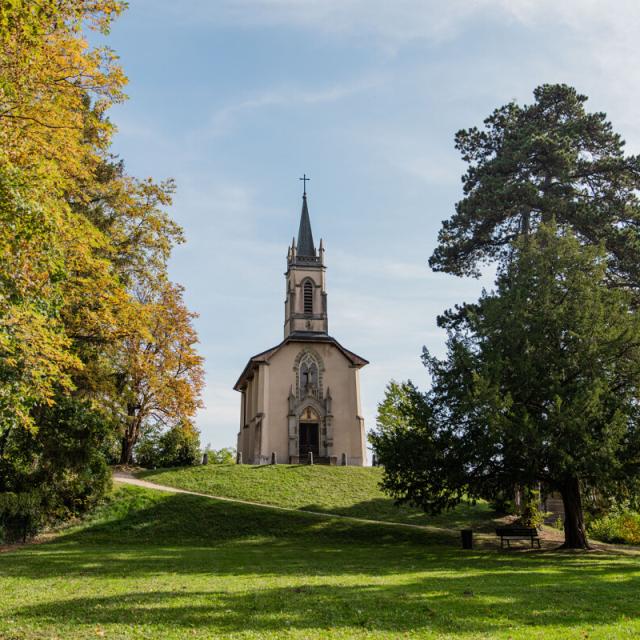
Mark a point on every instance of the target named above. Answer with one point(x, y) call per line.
point(223, 120)
point(407, 20)
point(398, 113)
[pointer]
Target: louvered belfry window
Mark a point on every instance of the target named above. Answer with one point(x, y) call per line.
point(308, 297)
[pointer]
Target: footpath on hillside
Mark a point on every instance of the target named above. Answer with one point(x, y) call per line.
point(128, 478)
point(552, 539)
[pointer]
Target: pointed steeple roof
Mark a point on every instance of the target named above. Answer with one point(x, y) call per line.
point(305, 246)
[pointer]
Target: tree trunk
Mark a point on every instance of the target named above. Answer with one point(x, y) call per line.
point(575, 536)
point(526, 224)
point(126, 449)
point(547, 212)
point(130, 436)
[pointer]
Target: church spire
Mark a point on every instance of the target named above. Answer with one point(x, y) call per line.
point(306, 294)
point(305, 246)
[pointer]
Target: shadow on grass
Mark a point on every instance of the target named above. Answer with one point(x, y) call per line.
point(233, 567)
point(465, 515)
point(183, 517)
point(275, 477)
point(443, 603)
point(184, 530)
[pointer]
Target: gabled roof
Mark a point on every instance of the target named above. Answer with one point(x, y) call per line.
point(307, 336)
point(305, 246)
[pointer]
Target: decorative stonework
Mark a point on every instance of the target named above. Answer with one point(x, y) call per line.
point(303, 365)
point(309, 399)
point(287, 408)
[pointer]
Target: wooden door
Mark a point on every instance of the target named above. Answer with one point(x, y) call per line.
point(309, 440)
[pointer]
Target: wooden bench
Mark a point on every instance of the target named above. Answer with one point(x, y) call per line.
point(517, 533)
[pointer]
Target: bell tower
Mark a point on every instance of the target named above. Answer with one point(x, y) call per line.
point(301, 399)
point(305, 306)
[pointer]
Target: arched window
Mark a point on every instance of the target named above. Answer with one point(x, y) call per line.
point(308, 376)
point(307, 297)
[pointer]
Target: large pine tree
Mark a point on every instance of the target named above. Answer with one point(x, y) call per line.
point(532, 163)
point(539, 384)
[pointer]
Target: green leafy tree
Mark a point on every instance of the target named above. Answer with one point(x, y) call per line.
point(55, 278)
point(55, 471)
point(177, 447)
point(532, 163)
point(540, 383)
point(226, 455)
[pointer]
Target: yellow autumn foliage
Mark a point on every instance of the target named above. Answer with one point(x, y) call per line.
point(80, 240)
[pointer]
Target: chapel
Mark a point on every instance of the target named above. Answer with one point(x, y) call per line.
point(300, 400)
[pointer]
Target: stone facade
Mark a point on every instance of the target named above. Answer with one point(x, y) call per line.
point(302, 396)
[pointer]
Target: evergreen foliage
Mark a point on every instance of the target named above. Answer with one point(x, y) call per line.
point(540, 380)
point(539, 383)
point(532, 163)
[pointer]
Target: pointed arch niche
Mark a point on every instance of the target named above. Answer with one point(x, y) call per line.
point(310, 418)
point(309, 372)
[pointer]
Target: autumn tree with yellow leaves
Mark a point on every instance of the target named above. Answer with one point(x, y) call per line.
point(95, 341)
point(161, 372)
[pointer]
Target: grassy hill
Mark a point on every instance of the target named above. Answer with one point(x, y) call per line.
point(350, 491)
point(173, 566)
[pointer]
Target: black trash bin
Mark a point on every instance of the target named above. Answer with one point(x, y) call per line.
point(467, 538)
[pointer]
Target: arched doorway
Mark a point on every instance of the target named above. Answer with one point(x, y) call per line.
point(308, 433)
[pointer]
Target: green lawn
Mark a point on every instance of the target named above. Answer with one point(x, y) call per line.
point(157, 565)
point(349, 491)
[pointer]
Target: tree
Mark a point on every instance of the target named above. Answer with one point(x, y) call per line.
point(83, 266)
point(539, 384)
point(54, 90)
point(226, 455)
point(532, 163)
point(55, 471)
point(177, 447)
point(161, 374)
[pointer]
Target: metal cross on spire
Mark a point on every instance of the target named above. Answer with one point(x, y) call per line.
point(304, 182)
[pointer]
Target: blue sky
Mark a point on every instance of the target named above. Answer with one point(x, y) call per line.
point(236, 99)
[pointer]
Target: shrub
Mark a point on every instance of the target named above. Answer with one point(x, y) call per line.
point(531, 513)
point(147, 451)
point(226, 455)
point(21, 515)
point(619, 527)
point(72, 464)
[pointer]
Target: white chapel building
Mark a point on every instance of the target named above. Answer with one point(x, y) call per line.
point(301, 399)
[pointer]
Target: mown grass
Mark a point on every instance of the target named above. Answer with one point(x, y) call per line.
point(349, 491)
point(157, 565)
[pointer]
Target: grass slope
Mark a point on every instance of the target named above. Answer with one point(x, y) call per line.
point(171, 566)
point(349, 491)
